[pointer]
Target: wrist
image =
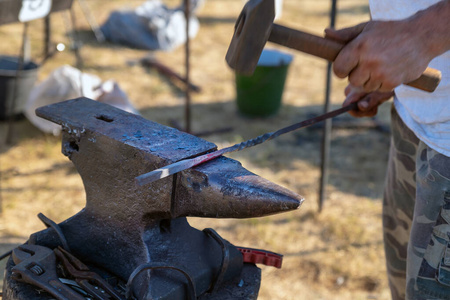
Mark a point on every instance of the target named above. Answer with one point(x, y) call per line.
point(431, 27)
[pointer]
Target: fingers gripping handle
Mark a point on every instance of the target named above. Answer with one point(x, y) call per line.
point(329, 49)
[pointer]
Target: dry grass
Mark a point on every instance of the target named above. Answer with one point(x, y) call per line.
point(333, 255)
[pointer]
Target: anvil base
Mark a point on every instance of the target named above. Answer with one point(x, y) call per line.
point(176, 243)
point(246, 286)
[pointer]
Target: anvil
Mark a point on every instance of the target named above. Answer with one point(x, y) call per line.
point(125, 225)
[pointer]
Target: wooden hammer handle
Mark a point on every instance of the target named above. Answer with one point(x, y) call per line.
point(329, 49)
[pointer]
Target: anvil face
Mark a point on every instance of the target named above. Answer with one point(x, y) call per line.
point(111, 147)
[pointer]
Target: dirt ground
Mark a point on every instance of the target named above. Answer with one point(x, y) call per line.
point(337, 254)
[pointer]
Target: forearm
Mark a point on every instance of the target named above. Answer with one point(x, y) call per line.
point(433, 26)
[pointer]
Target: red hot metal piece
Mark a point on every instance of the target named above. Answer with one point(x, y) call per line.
point(257, 256)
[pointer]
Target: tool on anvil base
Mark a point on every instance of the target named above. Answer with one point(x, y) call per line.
point(192, 162)
point(125, 227)
point(255, 27)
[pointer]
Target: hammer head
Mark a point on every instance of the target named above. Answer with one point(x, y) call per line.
point(251, 32)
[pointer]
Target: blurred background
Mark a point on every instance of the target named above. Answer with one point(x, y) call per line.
point(334, 254)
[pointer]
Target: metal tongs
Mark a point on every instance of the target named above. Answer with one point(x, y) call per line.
point(90, 281)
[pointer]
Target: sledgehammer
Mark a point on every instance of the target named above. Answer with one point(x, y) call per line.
point(254, 27)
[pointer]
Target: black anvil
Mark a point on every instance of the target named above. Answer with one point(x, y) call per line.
point(125, 225)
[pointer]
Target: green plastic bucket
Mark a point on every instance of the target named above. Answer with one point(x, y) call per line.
point(260, 94)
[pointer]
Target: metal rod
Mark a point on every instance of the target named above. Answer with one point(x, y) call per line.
point(47, 36)
point(12, 104)
point(326, 139)
point(1, 192)
point(189, 163)
point(76, 44)
point(187, 113)
point(165, 70)
point(5, 255)
point(92, 22)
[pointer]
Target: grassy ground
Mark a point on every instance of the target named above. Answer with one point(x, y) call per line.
point(336, 254)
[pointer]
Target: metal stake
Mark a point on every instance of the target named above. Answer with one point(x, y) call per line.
point(187, 112)
point(47, 36)
point(325, 152)
point(92, 22)
point(76, 43)
point(20, 63)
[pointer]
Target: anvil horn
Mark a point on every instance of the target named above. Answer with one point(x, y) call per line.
point(222, 188)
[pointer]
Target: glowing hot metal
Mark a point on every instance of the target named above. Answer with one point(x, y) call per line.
point(192, 162)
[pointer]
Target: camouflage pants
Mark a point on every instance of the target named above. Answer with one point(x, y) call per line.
point(416, 218)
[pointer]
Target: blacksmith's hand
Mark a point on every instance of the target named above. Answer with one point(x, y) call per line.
point(367, 102)
point(380, 55)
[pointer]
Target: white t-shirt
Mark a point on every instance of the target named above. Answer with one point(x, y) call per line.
point(426, 114)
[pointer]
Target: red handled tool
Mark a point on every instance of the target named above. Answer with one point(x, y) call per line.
point(257, 256)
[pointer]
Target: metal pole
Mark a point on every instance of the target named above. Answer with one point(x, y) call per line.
point(1, 194)
point(187, 112)
point(92, 22)
point(11, 106)
point(76, 43)
point(325, 153)
point(47, 36)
